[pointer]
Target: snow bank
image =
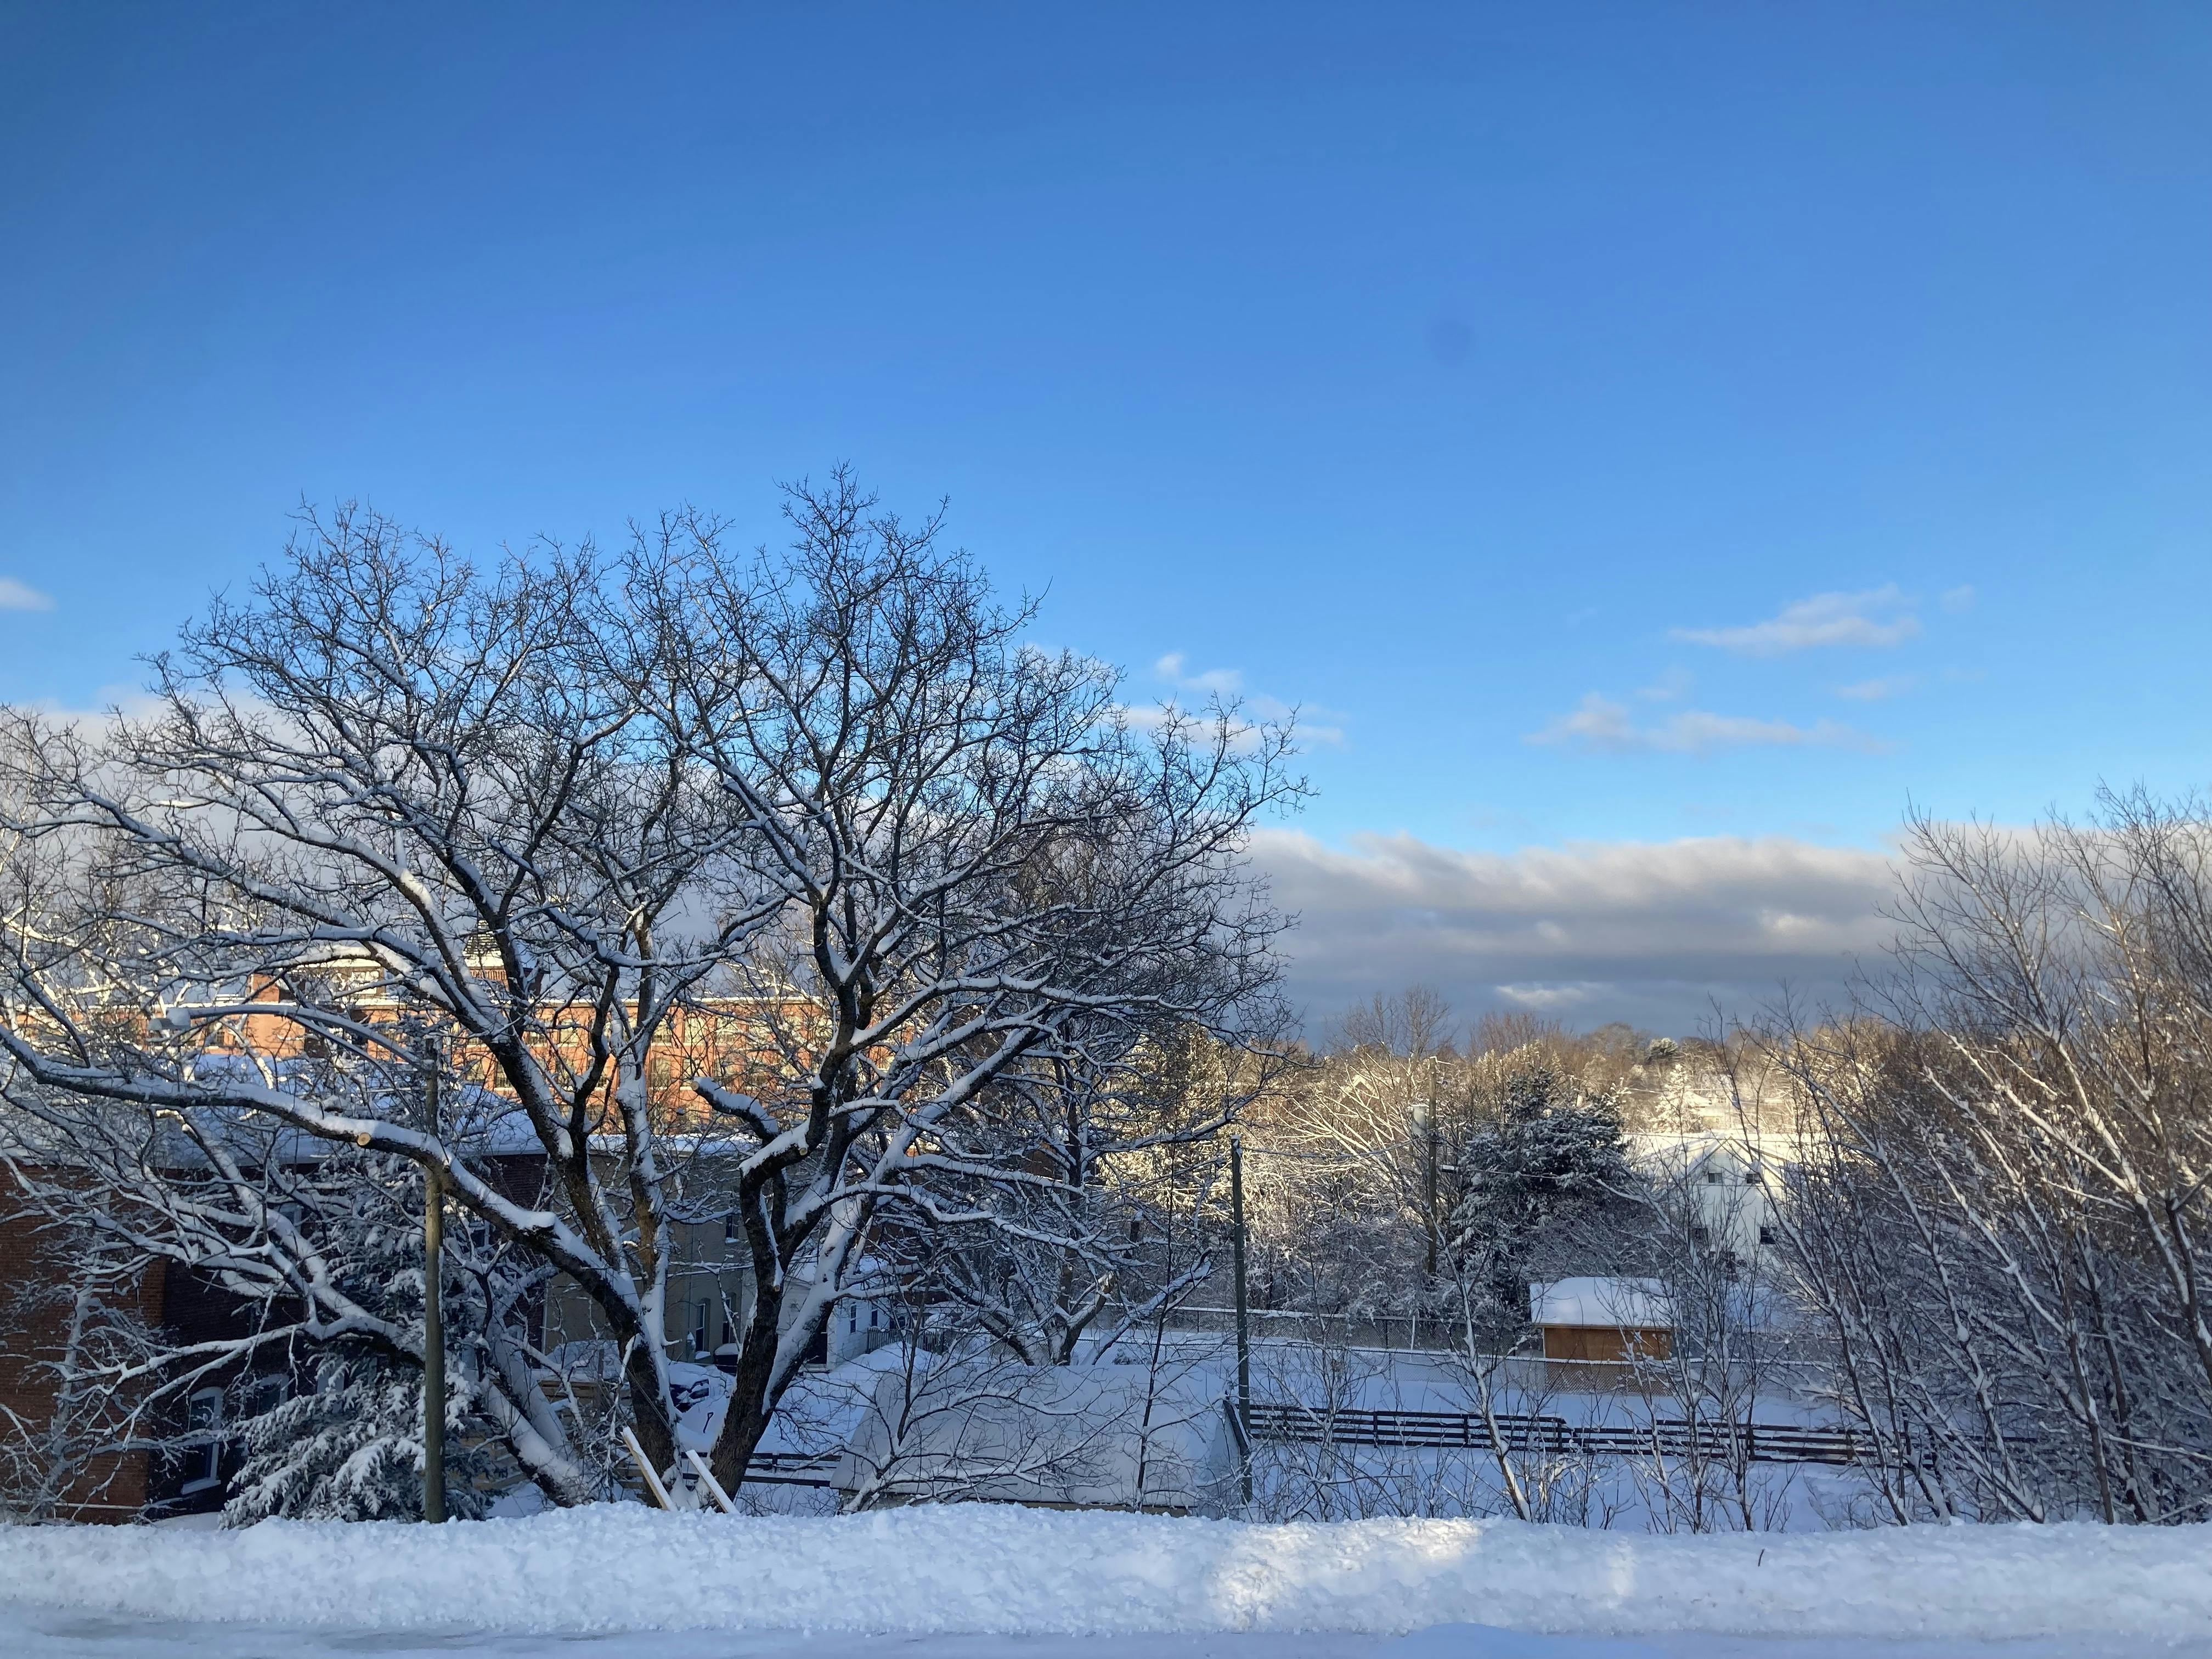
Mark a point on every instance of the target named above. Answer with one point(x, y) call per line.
point(986, 1569)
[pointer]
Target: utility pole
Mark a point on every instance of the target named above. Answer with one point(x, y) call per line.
point(1424, 1119)
point(434, 1321)
point(1243, 1306)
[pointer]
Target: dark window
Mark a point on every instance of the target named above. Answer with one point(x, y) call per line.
point(203, 1460)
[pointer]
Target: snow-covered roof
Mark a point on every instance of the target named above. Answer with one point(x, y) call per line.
point(1687, 1149)
point(1610, 1304)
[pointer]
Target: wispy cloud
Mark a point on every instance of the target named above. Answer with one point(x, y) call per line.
point(21, 596)
point(1314, 724)
point(1878, 617)
point(1175, 667)
point(1880, 690)
point(1554, 1000)
point(1599, 723)
point(1673, 683)
point(1957, 599)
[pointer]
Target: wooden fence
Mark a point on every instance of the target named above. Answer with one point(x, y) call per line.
point(1759, 1443)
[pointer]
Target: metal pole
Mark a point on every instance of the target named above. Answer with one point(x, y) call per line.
point(1243, 1305)
point(1427, 1114)
point(434, 1323)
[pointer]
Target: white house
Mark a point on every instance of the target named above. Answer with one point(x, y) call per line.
point(859, 1324)
point(1733, 1180)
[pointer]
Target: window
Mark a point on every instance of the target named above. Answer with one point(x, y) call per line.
point(1766, 1235)
point(703, 1326)
point(203, 1459)
point(732, 1232)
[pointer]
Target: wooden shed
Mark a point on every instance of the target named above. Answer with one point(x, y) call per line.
point(1594, 1328)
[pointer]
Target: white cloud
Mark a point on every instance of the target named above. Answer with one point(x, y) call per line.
point(1556, 1000)
point(1673, 683)
point(1314, 724)
point(1957, 599)
point(1599, 723)
point(20, 596)
point(1649, 932)
point(1880, 690)
point(1147, 716)
point(1218, 682)
point(1878, 617)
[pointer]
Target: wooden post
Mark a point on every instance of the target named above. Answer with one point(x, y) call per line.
point(1243, 1307)
point(705, 1479)
point(434, 1323)
point(653, 1489)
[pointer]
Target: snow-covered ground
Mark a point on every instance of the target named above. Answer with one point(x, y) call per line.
point(65, 1636)
point(990, 1581)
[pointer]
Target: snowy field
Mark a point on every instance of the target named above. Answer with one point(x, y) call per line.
point(608, 1583)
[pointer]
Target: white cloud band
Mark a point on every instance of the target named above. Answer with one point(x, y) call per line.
point(1652, 933)
point(1599, 723)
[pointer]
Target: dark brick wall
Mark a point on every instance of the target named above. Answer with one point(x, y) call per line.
point(35, 1285)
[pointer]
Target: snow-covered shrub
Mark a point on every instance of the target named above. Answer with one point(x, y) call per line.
point(349, 1449)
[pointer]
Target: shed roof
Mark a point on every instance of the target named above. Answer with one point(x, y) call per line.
point(1641, 1304)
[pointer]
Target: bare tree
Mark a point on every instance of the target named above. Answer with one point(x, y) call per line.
point(813, 833)
point(2001, 1202)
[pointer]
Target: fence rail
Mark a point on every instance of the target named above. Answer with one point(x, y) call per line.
point(790, 1469)
point(1758, 1443)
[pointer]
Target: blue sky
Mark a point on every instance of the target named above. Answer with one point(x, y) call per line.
point(1618, 426)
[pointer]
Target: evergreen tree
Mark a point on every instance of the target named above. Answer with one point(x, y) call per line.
point(1535, 1184)
point(349, 1446)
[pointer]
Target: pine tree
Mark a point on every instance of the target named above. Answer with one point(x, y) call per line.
point(349, 1446)
point(1553, 1161)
